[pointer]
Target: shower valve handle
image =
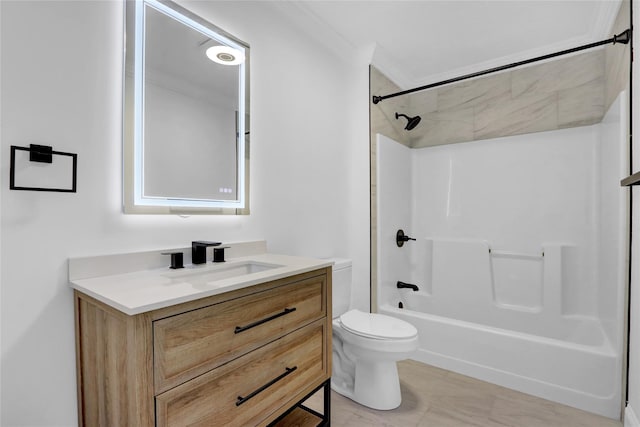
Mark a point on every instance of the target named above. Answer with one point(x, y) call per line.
point(401, 238)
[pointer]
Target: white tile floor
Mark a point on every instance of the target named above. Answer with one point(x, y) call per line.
point(437, 398)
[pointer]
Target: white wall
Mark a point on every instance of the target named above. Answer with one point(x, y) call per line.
point(61, 85)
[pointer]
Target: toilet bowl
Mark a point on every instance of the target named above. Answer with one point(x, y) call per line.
point(366, 347)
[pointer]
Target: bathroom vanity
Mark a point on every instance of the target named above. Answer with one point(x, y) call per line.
point(243, 343)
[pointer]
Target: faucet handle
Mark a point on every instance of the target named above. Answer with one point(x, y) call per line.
point(176, 259)
point(401, 238)
point(218, 254)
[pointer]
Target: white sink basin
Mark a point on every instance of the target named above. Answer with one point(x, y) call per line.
point(216, 273)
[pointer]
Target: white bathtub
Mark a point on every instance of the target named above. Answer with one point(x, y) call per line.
point(520, 257)
point(498, 316)
point(578, 369)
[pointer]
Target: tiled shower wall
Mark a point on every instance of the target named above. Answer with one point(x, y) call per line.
point(383, 119)
point(561, 93)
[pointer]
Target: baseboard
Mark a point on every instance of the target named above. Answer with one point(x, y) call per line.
point(630, 419)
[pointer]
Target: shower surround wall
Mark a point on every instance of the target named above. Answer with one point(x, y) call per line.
point(571, 91)
point(526, 321)
point(519, 257)
point(552, 95)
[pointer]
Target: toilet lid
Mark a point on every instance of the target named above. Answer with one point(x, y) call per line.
point(375, 325)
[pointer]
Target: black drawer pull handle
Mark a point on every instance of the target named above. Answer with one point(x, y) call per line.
point(265, 320)
point(241, 399)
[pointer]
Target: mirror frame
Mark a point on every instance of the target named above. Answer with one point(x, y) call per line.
point(134, 201)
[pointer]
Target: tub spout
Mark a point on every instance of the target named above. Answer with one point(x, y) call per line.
point(402, 285)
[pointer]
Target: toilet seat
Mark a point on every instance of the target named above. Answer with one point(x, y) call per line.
point(377, 326)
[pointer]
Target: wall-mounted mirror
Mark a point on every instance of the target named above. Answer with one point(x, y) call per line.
point(186, 132)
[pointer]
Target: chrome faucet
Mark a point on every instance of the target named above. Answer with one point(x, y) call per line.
point(199, 250)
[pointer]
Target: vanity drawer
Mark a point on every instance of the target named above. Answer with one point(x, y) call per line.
point(192, 343)
point(251, 388)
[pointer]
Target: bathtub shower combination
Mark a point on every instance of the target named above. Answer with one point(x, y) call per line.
point(519, 258)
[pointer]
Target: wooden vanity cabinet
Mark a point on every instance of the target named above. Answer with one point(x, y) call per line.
point(242, 358)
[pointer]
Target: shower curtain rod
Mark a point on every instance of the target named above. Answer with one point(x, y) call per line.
point(623, 38)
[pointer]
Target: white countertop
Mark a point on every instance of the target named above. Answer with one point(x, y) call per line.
point(141, 291)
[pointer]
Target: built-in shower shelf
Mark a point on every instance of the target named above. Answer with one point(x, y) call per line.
point(631, 180)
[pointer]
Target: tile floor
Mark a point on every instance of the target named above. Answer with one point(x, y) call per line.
point(433, 397)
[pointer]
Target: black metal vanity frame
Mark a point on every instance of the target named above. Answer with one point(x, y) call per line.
point(326, 417)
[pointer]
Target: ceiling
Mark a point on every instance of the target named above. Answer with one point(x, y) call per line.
point(423, 41)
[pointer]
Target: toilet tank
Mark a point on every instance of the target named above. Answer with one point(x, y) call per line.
point(341, 286)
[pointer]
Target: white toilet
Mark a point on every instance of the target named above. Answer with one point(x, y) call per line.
point(366, 347)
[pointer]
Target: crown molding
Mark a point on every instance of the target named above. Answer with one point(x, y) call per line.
point(304, 19)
